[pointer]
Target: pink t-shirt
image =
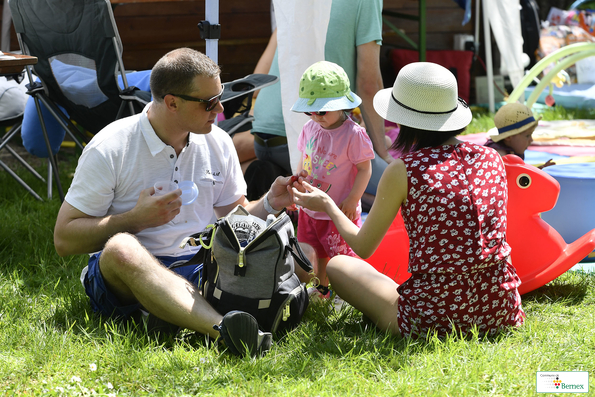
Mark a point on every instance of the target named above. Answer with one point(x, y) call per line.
point(330, 158)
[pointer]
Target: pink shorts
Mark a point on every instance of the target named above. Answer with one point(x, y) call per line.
point(323, 236)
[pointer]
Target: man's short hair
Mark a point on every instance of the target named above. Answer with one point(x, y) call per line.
point(176, 70)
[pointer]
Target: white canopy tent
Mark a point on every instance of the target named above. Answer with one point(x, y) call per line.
point(212, 16)
point(504, 18)
point(301, 37)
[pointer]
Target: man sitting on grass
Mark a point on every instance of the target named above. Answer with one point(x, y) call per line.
point(111, 209)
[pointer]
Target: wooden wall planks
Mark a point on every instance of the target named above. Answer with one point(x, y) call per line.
point(444, 19)
point(149, 30)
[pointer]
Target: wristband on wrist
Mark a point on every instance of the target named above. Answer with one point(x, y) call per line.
point(268, 207)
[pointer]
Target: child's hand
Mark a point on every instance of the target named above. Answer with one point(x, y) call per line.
point(349, 207)
point(547, 164)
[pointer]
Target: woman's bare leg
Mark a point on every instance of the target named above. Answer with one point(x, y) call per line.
point(366, 289)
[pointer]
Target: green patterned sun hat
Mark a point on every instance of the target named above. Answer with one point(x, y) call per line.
point(324, 86)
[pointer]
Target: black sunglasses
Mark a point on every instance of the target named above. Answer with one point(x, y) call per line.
point(316, 113)
point(211, 102)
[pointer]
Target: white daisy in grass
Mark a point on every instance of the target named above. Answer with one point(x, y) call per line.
point(92, 367)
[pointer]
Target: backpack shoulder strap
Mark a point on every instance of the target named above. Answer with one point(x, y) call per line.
point(298, 254)
point(205, 240)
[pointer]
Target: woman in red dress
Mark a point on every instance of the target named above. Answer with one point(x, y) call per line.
point(453, 197)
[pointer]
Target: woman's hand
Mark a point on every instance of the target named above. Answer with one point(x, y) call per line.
point(309, 197)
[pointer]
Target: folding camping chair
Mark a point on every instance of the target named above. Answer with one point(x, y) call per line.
point(237, 101)
point(12, 106)
point(15, 127)
point(79, 55)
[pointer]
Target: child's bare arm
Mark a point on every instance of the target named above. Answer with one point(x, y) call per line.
point(349, 205)
point(547, 164)
point(300, 163)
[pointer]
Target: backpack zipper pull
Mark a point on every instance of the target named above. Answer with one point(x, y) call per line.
point(241, 258)
point(286, 313)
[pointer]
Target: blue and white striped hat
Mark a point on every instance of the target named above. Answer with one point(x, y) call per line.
point(512, 119)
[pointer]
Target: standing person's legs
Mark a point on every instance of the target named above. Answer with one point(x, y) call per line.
point(366, 289)
point(259, 176)
point(244, 144)
point(134, 275)
point(378, 167)
point(273, 148)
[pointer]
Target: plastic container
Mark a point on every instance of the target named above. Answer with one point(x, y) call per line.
point(574, 213)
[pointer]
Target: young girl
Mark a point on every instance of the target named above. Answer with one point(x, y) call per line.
point(337, 154)
point(453, 197)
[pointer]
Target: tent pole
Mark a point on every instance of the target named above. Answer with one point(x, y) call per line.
point(212, 16)
point(488, 51)
point(477, 23)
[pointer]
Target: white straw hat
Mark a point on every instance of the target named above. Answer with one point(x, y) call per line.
point(512, 119)
point(424, 96)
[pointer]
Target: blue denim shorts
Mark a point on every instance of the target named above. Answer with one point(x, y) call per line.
point(105, 302)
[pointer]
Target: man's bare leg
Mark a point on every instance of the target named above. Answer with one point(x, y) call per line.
point(134, 275)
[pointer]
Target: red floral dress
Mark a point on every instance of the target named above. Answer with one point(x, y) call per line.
point(455, 216)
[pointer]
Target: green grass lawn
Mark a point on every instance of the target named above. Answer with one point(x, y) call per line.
point(51, 343)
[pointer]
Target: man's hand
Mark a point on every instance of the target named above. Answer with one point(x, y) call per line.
point(279, 196)
point(152, 210)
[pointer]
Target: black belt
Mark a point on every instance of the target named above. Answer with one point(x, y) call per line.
point(270, 142)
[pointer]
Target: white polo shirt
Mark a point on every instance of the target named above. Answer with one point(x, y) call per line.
point(127, 157)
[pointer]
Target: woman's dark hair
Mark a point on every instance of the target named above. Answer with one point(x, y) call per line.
point(412, 139)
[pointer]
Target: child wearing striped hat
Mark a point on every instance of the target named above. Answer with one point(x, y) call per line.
point(515, 124)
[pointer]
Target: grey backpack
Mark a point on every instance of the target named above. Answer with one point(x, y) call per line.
point(249, 265)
